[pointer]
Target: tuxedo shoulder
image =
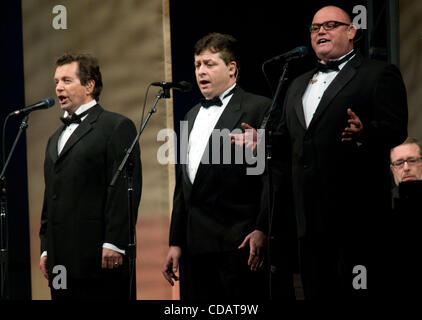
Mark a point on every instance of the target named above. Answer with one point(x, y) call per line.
point(113, 116)
point(111, 120)
point(252, 96)
point(370, 65)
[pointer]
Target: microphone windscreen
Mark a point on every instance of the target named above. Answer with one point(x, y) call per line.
point(185, 86)
point(303, 51)
point(49, 102)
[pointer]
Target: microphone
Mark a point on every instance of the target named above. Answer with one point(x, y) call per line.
point(295, 53)
point(43, 104)
point(183, 86)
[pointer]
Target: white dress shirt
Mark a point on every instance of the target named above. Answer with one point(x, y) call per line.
point(205, 122)
point(64, 136)
point(67, 132)
point(316, 89)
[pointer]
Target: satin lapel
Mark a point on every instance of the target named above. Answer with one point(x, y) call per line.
point(228, 120)
point(53, 147)
point(344, 76)
point(297, 99)
point(191, 116)
point(231, 115)
point(81, 130)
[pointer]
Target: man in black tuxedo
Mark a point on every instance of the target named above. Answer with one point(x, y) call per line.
point(339, 122)
point(85, 223)
point(216, 222)
point(342, 119)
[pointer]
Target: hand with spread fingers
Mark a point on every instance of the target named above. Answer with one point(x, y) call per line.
point(111, 259)
point(257, 241)
point(249, 138)
point(354, 129)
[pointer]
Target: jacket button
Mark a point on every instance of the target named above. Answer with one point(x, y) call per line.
point(54, 197)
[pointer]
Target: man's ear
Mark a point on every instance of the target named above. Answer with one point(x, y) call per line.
point(90, 85)
point(233, 68)
point(351, 32)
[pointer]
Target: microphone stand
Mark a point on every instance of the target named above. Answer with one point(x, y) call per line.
point(269, 179)
point(129, 166)
point(4, 253)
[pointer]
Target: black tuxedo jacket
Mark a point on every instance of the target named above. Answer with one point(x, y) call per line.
point(222, 206)
point(80, 210)
point(343, 188)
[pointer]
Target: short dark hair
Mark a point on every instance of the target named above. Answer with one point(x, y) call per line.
point(88, 69)
point(226, 45)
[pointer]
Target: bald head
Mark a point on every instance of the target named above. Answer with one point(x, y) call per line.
point(333, 11)
point(334, 43)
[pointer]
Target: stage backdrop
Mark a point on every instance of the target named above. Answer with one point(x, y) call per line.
point(128, 39)
point(411, 60)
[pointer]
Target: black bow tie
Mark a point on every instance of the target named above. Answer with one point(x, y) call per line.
point(333, 65)
point(206, 103)
point(216, 101)
point(330, 66)
point(74, 118)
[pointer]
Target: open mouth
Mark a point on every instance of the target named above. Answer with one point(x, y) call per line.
point(203, 82)
point(62, 99)
point(322, 41)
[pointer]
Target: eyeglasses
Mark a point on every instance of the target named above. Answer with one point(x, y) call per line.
point(410, 162)
point(328, 25)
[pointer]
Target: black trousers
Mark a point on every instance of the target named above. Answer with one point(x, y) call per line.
point(106, 285)
point(327, 267)
point(222, 277)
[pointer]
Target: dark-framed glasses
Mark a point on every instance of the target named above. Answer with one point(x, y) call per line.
point(410, 162)
point(328, 25)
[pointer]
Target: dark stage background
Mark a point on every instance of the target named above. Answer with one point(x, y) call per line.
point(18, 284)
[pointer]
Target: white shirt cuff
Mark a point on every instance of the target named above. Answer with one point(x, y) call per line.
point(113, 247)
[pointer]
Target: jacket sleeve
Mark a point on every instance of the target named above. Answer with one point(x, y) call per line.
point(178, 223)
point(116, 212)
point(43, 228)
point(388, 126)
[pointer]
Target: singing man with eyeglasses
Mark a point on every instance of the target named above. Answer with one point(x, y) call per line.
point(341, 119)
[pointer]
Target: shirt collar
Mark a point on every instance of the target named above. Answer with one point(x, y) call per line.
point(340, 66)
point(83, 107)
point(222, 96)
